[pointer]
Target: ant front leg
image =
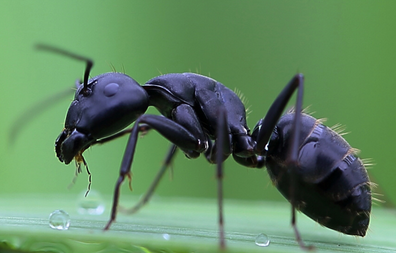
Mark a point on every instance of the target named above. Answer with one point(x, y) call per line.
point(146, 197)
point(143, 129)
point(185, 116)
point(264, 129)
point(171, 130)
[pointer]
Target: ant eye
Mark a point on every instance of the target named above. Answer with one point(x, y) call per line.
point(111, 89)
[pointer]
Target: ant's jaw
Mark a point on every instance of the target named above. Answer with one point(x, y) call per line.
point(71, 144)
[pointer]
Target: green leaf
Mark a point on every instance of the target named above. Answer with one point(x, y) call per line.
point(176, 225)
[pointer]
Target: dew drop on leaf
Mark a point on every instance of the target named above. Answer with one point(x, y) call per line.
point(262, 240)
point(59, 220)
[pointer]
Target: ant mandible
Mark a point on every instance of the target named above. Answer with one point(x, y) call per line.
point(312, 166)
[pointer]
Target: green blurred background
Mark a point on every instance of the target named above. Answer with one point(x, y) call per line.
point(346, 50)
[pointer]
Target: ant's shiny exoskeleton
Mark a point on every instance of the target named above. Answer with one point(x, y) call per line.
point(310, 164)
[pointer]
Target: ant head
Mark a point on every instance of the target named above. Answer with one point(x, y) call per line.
point(108, 104)
point(102, 106)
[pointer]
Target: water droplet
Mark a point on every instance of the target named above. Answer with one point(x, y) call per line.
point(166, 236)
point(59, 219)
point(262, 240)
point(91, 204)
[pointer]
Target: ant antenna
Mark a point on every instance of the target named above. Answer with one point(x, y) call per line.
point(88, 61)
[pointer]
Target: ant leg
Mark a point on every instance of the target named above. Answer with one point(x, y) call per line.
point(186, 116)
point(297, 233)
point(183, 115)
point(263, 131)
point(124, 171)
point(143, 128)
point(168, 160)
point(292, 161)
point(171, 130)
point(224, 146)
point(265, 126)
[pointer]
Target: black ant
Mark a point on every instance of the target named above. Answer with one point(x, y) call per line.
point(313, 167)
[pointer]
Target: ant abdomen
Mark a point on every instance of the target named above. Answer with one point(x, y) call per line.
point(329, 183)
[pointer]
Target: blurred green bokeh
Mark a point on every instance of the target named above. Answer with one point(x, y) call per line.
point(346, 50)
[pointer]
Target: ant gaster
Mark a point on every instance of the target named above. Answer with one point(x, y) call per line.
point(312, 166)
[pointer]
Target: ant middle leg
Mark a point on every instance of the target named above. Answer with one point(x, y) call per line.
point(221, 150)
